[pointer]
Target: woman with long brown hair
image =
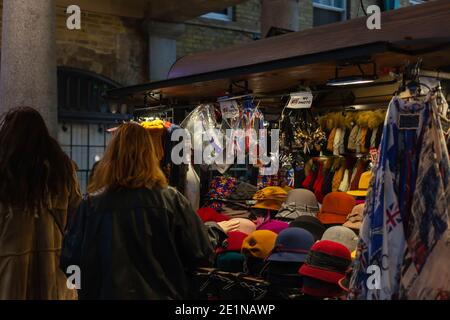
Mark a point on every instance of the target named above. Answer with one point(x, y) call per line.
point(134, 237)
point(38, 189)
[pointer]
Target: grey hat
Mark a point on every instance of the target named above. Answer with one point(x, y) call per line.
point(299, 202)
point(342, 235)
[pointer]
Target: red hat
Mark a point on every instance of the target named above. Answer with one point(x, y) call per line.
point(209, 214)
point(327, 261)
point(233, 242)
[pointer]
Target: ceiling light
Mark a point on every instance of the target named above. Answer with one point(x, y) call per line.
point(351, 81)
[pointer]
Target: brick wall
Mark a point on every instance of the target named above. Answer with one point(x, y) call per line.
point(112, 46)
point(306, 14)
point(204, 34)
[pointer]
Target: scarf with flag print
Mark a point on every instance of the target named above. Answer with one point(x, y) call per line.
point(382, 237)
point(423, 276)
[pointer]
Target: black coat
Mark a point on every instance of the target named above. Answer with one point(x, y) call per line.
point(136, 244)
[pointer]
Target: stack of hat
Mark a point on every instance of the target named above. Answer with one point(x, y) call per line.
point(336, 207)
point(299, 202)
point(290, 251)
point(326, 264)
point(270, 198)
point(311, 224)
point(355, 218)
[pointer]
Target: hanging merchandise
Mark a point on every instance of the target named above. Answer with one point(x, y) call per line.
point(192, 189)
point(429, 219)
point(202, 123)
point(406, 212)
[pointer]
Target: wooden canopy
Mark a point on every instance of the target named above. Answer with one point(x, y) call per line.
point(283, 62)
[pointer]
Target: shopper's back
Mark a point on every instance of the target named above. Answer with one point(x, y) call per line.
point(135, 238)
point(140, 244)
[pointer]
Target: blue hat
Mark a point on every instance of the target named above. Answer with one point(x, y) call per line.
point(292, 245)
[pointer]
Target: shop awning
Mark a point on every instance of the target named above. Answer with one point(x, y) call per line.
point(283, 62)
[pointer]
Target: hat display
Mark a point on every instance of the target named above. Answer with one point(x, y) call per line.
point(363, 185)
point(342, 235)
point(270, 198)
point(311, 224)
point(273, 225)
point(233, 242)
point(259, 244)
point(292, 245)
point(336, 207)
point(209, 214)
point(245, 225)
point(299, 202)
point(355, 218)
point(230, 261)
point(327, 261)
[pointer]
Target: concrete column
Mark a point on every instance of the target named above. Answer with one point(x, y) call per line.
point(282, 14)
point(28, 62)
point(162, 43)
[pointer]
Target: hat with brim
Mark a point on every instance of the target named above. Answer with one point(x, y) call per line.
point(321, 274)
point(363, 185)
point(331, 218)
point(354, 219)
point(269, 204)
point(288, 256)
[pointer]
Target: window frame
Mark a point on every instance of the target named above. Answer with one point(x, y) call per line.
point(229, 16)
point(335, 8)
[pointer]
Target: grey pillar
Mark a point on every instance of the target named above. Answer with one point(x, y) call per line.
point(28, 62)
point(162, 37)
point(282, 14)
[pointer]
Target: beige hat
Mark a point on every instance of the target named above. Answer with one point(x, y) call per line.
point(355, 218)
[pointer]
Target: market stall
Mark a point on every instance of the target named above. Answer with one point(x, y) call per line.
point(354, 114)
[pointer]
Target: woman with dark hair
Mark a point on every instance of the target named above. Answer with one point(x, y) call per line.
point(133, 236)
point(38, 190)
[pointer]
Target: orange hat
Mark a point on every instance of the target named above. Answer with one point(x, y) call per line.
point(336, 207)
point(259, 244)
point(363, 186)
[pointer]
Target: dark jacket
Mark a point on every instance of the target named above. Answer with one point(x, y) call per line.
point(136, 244)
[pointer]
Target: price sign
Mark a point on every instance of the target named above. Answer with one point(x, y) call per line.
point(300, 100)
